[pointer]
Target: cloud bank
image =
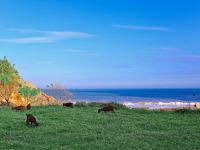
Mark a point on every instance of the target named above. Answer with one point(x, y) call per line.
point(44, 36)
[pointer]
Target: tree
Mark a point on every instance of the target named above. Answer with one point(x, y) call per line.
point(8, 79)
point(7, 68)
point(59, 91)
point(7, 87)
point(28, 93)
point(4, 79)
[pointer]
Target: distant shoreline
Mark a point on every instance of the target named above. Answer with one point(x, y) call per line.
point(160, 105)
point(149, 105)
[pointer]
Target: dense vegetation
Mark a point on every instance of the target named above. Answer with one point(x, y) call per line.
point(9, 80)
point(84, 128)
point(10, 83)
point(28, 92)
point(7, 69)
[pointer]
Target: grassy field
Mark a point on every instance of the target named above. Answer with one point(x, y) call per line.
point(84, 128)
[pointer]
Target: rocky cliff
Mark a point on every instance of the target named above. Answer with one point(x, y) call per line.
point(41, 98)
point(38, 100)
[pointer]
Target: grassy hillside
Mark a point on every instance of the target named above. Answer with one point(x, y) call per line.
point(84, 128)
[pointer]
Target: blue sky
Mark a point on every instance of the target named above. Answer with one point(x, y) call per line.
point(103, 43)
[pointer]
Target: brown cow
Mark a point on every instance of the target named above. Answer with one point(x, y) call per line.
point(31, 119)
point(18, 108)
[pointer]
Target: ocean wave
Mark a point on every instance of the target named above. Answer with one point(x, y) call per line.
point(159, 105)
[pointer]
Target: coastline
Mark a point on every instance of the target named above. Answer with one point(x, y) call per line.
point(135, 98)
point(147, 105)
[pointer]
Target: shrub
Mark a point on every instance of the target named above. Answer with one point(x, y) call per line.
point(28, 92)
point(100, 104)
point(115, 105)
point(187, 110)
point(81, 104)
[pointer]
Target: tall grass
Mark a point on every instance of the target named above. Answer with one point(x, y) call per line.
point(84, 128)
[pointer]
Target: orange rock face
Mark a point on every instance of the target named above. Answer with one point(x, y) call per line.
point(17, 100)
point(43, 99)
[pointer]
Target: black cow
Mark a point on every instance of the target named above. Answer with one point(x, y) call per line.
point(69, 104)
point(28, 107)
point(106, 109)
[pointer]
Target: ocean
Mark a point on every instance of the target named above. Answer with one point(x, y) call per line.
point(134, 98)
point(130, 95)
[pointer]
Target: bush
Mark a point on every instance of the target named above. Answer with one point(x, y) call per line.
point(187, 110)
point(99, 104)
point(81, 104)
point(88, 104)
point(115, 105)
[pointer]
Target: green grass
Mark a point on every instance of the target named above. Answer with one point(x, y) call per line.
point(84, 128)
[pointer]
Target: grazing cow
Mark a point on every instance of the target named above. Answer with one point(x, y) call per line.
point(69, 104)
point(18, 108)
point(28, 107)
point(106, 109)
point(31, 119)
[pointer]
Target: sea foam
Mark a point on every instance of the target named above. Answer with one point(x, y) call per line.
point(159, 105)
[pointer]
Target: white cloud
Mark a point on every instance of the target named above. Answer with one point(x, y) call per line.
point(45, 36)
point(79, 51)
point(69, 34)
point(27, 40)
point(135, 27)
